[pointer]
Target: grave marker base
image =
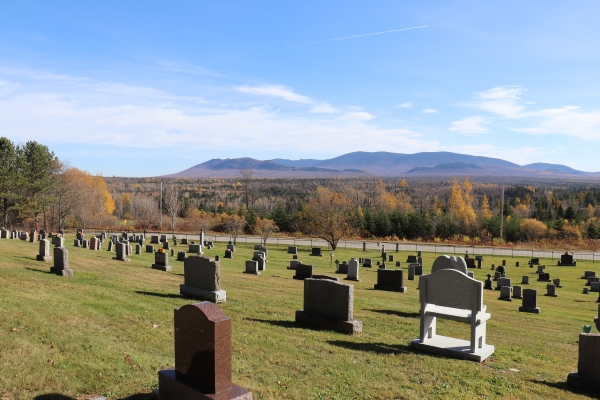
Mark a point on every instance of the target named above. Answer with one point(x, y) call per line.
point(61, 272)
point(45, 259)
point(351, 327)
point(452, 347)
point(218, 296)
point(535, 310)
point(166, 268)
point(390, 288)
point(574, 379)
point(174, 387)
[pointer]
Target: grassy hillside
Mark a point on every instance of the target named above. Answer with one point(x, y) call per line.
point(109, 329)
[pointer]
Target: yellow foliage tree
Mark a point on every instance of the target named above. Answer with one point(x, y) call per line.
point(461, 204)
point(532, 229)
point(485, 208)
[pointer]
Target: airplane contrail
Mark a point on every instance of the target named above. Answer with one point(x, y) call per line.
point(329, 40)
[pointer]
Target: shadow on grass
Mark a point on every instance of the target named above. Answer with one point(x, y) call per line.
point(58, 396)
point(379, 348)
point(285, 324)
point(39, 270)
point(164, 295)
point(565, 386)
point(398, 313)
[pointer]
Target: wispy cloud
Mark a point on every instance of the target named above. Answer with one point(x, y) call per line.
point(276, 91)
point(430, 111)
point(406, 104)
point(501, 100)
point(470, 126)
point(324, 108)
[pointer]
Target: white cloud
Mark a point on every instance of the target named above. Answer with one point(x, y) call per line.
point(501, 100)
point(470, 126)
point(324, 108)
point(569, 121)
point(406, 104)
point(276, 91)
point(430, 111)
point(357, 116)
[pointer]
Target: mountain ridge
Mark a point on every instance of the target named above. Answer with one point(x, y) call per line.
point(380, 163)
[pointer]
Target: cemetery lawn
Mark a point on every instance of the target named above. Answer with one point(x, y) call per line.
point(109, 329)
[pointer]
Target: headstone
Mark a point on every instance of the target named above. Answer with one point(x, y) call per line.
point(202, 357)
point(295, 257)
point(293, 264)
point(411, 272)
point(504, 263)
point(501, 269)
point(166, 245)
point(260, 260)
point(497, 275)
point(592, 279)
point(121, 252)
point(195, 248)
point(534, 261)
point(368, 263)
point(228, 253)
point(180, 255)
point(412, 259)
point(488, 282)
point(587, 376)
point(252, 267)
point(33, 236)
point(342, 268)
point(517, 292)
point(58, 241)
point(447, 262)
point(202, 279)
point(329, 304)
point(418, 269)
point(586, 290)
point(529, 301)
point(479, 259)
point(110, 246)
point(76, 243)
point(551, 290)
point(588, 274)
point(94, 244)
point(84, 243)
point(44, 253)
point(154, 239)
point(556, 282)
point(568, 260)
point(397, 263)
point(184, 241)
point(501, 282)
point(303, 271)
point(3, 234)
point(540, 269)
point(149, 248)
point(163, 238)
point(138, 249)
point(292, 250)
point(352, 270)
point(391, 280)
point(61, 262)
point(493, 267)
point(231, 247)
point(161, 261)
point(517, 264)
point(391, 258)
point(505, 293)
point(525, 280)
point(595, 287)
point(316, 252)
point(545, 277)
point(470, 262)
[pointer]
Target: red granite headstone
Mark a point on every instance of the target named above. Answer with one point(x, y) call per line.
point(202, 357)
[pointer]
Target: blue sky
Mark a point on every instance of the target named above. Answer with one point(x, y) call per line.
point(149, 88)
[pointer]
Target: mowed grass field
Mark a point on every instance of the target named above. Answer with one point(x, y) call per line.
point(108, 330)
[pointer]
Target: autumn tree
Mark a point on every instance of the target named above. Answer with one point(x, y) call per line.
point(485, 208)
point(328, 215)
point(145, 211)
point(264, 227)
point(172, 204)
point(532, 229)
point(461, 204)
point(233, 225)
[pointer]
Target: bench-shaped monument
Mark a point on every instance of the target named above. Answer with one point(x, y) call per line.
point(452, 295)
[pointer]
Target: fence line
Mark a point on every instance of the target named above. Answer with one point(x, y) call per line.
point(389, 246)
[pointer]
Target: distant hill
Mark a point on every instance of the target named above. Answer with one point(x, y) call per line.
point(381, 163)
point(447, 168)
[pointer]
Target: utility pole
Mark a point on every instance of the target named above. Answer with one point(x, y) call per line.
point(502, 213)
point(160, 209)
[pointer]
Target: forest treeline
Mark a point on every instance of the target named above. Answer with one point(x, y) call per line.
point(37, 190)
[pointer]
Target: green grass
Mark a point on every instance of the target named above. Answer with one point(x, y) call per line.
point(108, 330)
